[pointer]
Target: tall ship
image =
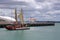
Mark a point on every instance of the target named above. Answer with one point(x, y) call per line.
point(16, 25)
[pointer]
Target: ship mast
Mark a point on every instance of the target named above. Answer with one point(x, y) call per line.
point(16, 16)
point(21, 17)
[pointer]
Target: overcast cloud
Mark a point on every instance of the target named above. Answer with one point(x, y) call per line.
point(42, 10)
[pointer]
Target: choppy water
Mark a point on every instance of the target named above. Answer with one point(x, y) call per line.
point(35, 33)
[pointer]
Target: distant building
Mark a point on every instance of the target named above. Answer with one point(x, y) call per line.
point(32, 20)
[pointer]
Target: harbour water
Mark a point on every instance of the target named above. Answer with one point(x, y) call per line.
point(35, 33)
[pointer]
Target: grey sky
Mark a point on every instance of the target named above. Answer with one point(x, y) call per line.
point(42, 10)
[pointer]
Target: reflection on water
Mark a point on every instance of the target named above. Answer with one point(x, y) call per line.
point(35, 33)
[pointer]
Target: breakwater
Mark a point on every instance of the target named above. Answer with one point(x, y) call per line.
point(30, 24)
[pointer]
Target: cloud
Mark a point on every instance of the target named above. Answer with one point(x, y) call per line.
point(39, 0)
point(22, 0)
point(54, 12)
point(6, 12)
point(30, 4)
point(56, 6)
point(39, 9)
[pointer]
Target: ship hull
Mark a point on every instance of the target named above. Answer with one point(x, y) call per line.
point(16, 28)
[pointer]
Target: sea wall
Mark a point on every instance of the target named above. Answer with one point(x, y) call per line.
point(30, 25)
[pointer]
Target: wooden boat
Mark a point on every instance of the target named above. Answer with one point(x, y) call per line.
point(18, 26)
point(10, 27)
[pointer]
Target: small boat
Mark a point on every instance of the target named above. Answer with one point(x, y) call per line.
point(18, 26)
